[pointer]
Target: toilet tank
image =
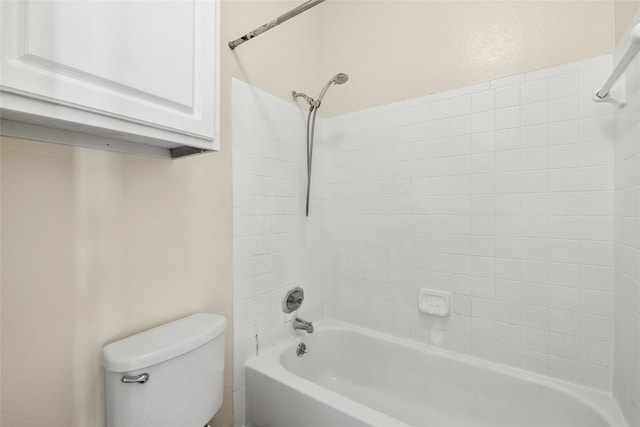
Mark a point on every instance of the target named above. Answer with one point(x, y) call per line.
point(168, 376)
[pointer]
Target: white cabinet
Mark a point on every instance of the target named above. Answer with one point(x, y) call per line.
point(136, 76)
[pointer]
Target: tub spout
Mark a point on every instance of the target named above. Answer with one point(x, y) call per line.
point(298, 323)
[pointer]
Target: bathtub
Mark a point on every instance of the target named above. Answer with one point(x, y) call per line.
point(354, 377)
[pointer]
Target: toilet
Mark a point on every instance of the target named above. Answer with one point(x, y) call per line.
point(168, 376)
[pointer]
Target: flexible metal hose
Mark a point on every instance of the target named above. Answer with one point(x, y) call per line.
point(311, 126)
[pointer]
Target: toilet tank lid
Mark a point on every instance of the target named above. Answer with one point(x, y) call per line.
point(162, 343)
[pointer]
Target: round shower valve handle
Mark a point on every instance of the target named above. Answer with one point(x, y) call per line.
point(140, 379)
point(292, 300)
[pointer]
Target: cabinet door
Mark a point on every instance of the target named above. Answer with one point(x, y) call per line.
point(138, 64)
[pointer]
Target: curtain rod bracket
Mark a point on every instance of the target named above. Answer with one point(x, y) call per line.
point(603, 94)
point(608, 99)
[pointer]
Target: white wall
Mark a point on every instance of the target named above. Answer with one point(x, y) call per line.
point(275, 247)
point(502, 194)
point(626, 379)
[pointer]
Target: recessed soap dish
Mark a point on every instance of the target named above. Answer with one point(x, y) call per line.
point(434, 302)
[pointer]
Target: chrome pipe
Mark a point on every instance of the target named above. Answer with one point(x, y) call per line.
point(269, 25)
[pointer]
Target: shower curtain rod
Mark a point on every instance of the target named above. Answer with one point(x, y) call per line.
point(269, 25)
point(603, 94)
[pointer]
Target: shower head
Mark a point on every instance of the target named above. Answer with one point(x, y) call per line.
point(338, 79)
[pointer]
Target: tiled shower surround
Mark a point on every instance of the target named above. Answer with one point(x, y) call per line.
point(626, 378)
point(275, 247)
point(501, 193)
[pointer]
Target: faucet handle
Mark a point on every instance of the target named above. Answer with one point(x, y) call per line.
point(292, 300)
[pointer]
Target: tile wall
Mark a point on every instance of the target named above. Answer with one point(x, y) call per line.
point(501, 193)
point(275, 247)
point(626, 378)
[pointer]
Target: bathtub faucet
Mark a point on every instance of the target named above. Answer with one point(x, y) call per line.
point(298, 323)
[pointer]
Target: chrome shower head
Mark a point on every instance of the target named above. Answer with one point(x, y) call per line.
point(338, 79)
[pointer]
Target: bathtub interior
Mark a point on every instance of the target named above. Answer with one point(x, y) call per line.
point(421, 387)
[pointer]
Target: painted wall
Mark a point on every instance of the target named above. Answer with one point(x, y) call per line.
point(97, 245)
point(626, 373)
point(395, 50)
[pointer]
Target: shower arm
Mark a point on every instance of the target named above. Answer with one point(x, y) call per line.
point(279, 20)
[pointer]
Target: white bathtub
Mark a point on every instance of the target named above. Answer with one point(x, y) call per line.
point(354, 377)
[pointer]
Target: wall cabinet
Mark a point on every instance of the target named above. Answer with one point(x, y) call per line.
point(134, 76)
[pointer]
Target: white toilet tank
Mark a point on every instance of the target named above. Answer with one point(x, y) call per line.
point(168, 376)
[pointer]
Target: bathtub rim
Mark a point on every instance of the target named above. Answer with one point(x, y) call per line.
point(269, 364)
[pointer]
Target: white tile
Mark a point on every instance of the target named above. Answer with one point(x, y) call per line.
point(507, 118)
point(564, 85)
point(535, 136)
point(567, 346)
point(564, 109)
point(596, 352)
point(597, 303)
point(564, 156)
point(482, 122)
point(507, 96)
point(564, 132)
point(460, 105)
point(596, 376)
point(482, 101)
point(565, 179)
point(597, 327)
point(535, 339)
point(565, 369)
point(533, 114)
point(507, 139)
point(564, 322)
point(566, 299)
point(533, 91)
